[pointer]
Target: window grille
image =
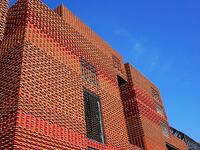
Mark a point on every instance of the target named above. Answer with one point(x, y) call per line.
point(164, 129)
point(93, 117)
point(159, 109)
point(116, 63)
point(155, 94)
point(88, 72)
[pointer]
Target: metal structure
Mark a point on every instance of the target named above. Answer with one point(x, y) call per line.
point(192, 144)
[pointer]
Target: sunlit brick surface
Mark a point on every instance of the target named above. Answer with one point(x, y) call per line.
point(47, 59)
point(3, 15)
point(142, 119)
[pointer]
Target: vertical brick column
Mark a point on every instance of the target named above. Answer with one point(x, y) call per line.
point(3, 15)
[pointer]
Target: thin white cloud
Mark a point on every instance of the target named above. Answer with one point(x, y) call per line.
point(137, 49)
point(142, 52)
point(154, 60)
point(124, 33)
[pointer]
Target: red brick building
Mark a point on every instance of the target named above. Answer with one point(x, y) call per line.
point(63, 87)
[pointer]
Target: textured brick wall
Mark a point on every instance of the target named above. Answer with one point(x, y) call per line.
point(3, 15)
point(49, 111)
point(132, 115)
point(84, 30)
point(41, 85)
point(11, 53)
point(143, 121)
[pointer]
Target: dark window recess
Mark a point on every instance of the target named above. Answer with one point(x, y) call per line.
point(93, 117)
point(170, 147)
point(159, 109)
point(90, 148)
point(164, 129)
point(155, 94)
point(88, 72)
point(121, 81)
point(116, 63)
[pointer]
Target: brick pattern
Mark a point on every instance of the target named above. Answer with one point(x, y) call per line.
point(49, 94)
point(3, 15)
point(140, 111)
point(85, 31)
point(11, 54)
point(88, 72)
point(42, 84)
point(131, 111)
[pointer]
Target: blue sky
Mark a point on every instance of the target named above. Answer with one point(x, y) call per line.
point(160, 38)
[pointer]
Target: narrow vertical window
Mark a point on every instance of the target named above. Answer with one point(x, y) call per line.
point(88, 72)
point(159, 109)
point(164, 129)
point(155, 95)
point(93, 117)
point(116, 63)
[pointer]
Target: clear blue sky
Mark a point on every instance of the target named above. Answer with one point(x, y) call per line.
point(160, 38)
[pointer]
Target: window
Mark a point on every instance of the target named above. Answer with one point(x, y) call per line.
point(155, 94)
point(171, 147)
point(116, 63)
point(164, 129)
point(93, 117)
point(159, 109)
point(90, 148)
point(88, 72)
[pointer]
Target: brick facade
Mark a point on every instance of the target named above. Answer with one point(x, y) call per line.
point(45, 65)
point(142, 118)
